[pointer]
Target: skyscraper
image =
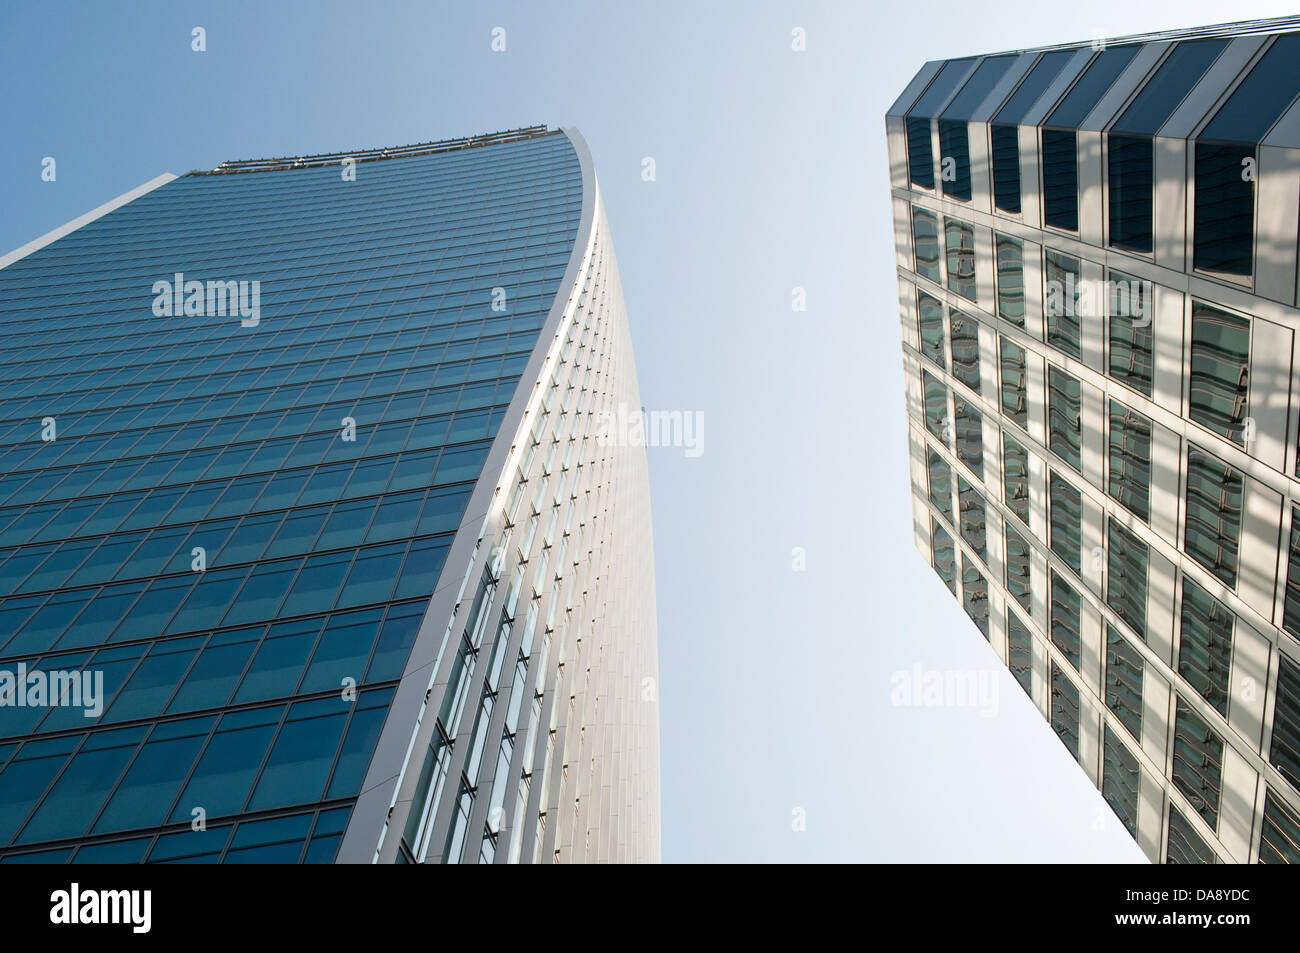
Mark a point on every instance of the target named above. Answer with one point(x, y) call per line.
point(1097, 263)
point(312, 545)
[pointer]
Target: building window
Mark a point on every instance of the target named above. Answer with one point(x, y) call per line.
point(953, 145)
point(1121, 780)
point(1006, 167)
point(1213, 514)
point(920, 154)
point(1065, 520)
point(1129, 477)
point(943, 556)
point(1015, 478)
point(1018, 557)
point(1065, 620)
point(1065, 710)
point(1220, 371)
point(1011, 280)
point(965, 348)
point(970, 435)
point(1124, 668)
point(936, 406)
point(1131, 184)
point(1224, 210)
point(1130, 362)
point(1205, 645)
point(1284, 750)
point(1185, 845)
point(972, 516)
point(1006, 150)
point(1062, 287)
point(1130, 149)
point(1065, 417)
point(1279, 843)
point(925, 243)
point(1020, 652)
point(1291, 601)
point(929, 318)
point(1126, 577)
point(959, 239)
point(975, 594)
point(1014, 393)
point(1061, 179)
point(940, 483)
point(1198, 763)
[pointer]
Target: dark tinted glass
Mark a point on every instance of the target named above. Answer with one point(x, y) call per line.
point(1065, 620)
point(1257, 103)
point(940, 88)
point(1065, 710)
point(1224, 211)
point(1015, 477)
point(935, 396)
point(976, 89)
point(940, 483)
point(970, 435)
point(1162, 93)
point(1131, 169)
point(1065, 515)
point(959, 242)
point(929, 316)
point(1198, 763)
point(1284, 749)
point(1011, 280)
point(943, 555)
point(1005, 142)
point(1129, 477)
point(1126, 577)
point(1064, 417)
point(1291, 605)
point(920, 155)
point(1185, 845)
point(1091, 86)
point(1020, 652)
point(954, 153)
point(1018, 571)
point(1124, 668)
point(1220, 370)
point(1205, 644)
point(972, 514)
point(925, 243)
point(1213, 514)
point(1130, 359)
point(1018, 104)
point(1061, 179)
point(1279, 843)
point(965, 348)
point(1014, 393)
point(975, 594)
point(1121, 780)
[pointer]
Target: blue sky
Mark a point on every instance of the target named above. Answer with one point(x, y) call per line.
point(771, 175)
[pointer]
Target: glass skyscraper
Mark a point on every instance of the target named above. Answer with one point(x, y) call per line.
point(312, 547)
point(1097, 269)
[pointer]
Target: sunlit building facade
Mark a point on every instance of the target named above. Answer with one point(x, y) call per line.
point(1097, 264)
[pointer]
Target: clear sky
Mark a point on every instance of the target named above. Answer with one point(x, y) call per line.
point(770, 175)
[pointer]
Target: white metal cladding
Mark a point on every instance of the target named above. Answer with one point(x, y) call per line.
point(529, 729)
